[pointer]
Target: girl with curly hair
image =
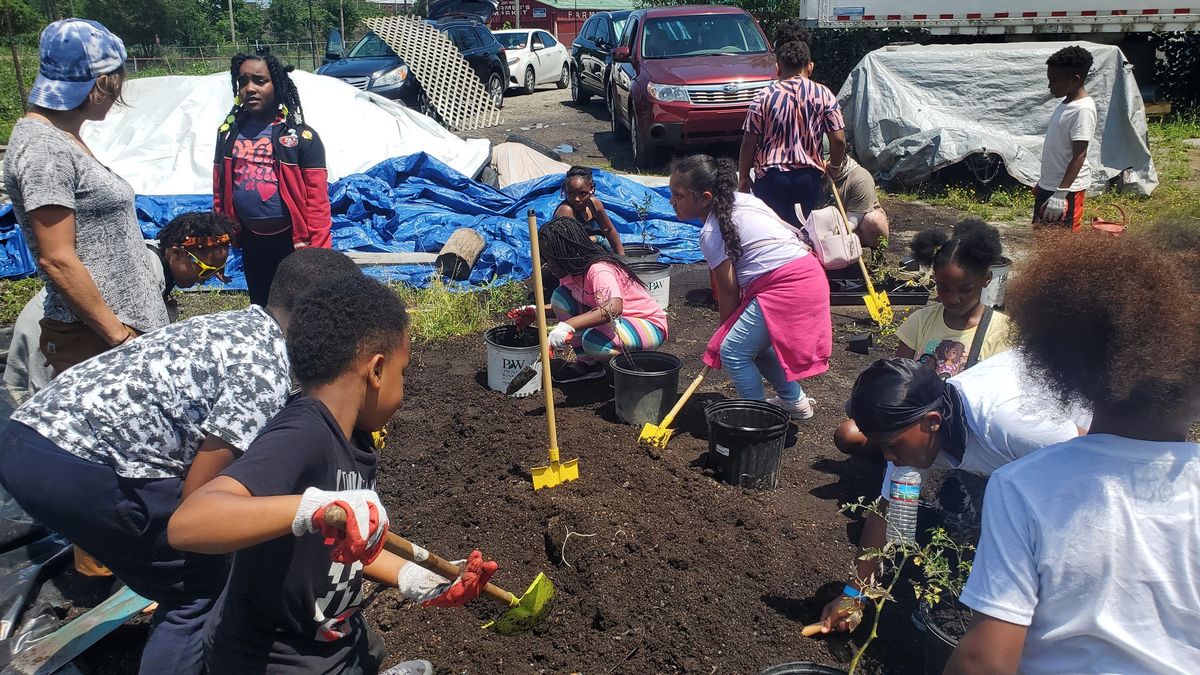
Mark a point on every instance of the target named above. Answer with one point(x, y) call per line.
point(1089, 550)
point(773, 295)
point(269, 171)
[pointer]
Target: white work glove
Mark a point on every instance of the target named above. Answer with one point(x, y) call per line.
point(366, 523)
point(1055, 207)
point(433, 590)
point(561, 336)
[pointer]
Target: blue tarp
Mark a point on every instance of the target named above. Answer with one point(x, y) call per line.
point(414, 203)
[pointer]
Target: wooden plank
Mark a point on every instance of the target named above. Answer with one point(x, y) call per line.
point(392, 258)
point(1158, 109)
point(60, 647)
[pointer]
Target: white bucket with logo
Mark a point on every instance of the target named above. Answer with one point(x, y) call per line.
point(993, 293)
point(657, 277)
point(507, 354)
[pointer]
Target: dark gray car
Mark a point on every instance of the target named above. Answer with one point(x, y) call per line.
point(591, 55)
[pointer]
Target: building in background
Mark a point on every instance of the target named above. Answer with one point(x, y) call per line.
point(560, 18)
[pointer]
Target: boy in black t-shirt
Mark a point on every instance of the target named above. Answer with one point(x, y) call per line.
point(291, 604)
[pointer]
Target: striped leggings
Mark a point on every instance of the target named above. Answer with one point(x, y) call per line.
point(601, 343)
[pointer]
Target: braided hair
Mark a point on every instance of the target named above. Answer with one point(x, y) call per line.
point(702, 173)
point(564, 242)
point(201, 225)
point(286, 93)
point(975, 247)
point(580, 172)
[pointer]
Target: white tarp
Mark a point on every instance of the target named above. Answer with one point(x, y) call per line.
point(912, 110)
point(163, 141)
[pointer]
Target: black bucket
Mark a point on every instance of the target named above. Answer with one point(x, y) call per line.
point(938, 644)
point(639, 253)
point(645, 386)
point(745, 442)
point(801, 668)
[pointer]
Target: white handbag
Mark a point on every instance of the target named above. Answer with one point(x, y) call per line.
point(832, 240)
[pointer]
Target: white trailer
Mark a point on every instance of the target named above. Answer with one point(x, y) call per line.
point(1091, 18)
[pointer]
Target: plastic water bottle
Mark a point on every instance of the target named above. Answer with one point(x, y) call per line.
point(905, 493)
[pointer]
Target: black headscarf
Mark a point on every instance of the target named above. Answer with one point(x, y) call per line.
point(892, 394)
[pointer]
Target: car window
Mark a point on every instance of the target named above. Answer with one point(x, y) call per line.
point(627, 37)
point(485, 37)
point(370, 45)
point(537, 41)
point(547, 39)
point(464, 38)
point(701, 35)
point(618, 25)
point(512, 40)
point(589, 30)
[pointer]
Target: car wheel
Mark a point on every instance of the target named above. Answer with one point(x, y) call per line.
point(564, 80)
point(645, 154)
point(618, 129)
point(578, 95)
point(530, 81)
point(495, 90)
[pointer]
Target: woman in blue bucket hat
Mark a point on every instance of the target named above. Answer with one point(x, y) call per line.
point(77, 215)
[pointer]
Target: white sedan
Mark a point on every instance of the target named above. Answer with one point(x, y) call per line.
point(534, 57)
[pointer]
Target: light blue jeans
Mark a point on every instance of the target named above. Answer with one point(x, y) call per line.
point(747, 357)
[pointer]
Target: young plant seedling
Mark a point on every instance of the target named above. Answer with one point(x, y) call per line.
point(643, 210)
point(940, 575)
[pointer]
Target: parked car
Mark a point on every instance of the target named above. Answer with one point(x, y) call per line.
point(534, 57)
point(371, 65)
point(684, 75)
point(591, 55)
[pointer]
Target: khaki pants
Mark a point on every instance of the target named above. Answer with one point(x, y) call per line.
point(65, 345)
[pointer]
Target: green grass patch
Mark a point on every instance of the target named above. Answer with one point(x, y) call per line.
point(1174, 194)
point(439, 312)
point(198, 303)
point(15, 294)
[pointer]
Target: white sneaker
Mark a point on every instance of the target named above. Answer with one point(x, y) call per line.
point(414, 667)
point(798, 410)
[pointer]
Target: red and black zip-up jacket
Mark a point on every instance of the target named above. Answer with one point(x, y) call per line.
point(300, 169)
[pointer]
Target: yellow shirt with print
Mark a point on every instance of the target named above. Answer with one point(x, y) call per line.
point(945, 349)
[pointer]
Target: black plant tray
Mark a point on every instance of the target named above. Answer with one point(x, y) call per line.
point(843, 292)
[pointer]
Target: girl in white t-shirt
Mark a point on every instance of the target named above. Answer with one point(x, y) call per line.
point(773, 295)
point(1090, 554)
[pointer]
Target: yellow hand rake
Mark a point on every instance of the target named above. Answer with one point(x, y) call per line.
point(657, 435)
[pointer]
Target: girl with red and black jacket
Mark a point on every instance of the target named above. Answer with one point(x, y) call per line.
point(269, 171)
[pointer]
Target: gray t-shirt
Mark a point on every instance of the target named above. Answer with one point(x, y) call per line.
point(45, 167)
point(143, 408)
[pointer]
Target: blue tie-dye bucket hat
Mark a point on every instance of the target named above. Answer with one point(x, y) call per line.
point(74, 53)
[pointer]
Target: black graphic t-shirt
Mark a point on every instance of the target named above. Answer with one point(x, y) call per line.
point(255, 185)
point(287, 607)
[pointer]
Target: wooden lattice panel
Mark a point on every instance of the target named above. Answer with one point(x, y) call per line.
point(452, 87)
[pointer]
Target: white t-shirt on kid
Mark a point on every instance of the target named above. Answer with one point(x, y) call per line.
point(1094, 544)
point(1008, 414)
point(1074, 121)
point(768, 243)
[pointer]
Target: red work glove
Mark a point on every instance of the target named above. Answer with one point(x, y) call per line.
point(366, 523)
point(431, 590)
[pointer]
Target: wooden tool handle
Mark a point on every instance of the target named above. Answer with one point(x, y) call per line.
point(336, 516)
point(812, 629)
point(862, 265)
point(540, 295)
point(687, 393)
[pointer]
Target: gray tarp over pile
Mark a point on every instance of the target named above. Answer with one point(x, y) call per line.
point(915, 109)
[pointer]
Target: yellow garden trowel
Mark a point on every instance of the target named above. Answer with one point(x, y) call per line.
point(877, 304)
point(657, 435)
point(556, 472)
point(522, 614)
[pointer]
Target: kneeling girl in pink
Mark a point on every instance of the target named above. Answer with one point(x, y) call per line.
point(773, 294)
point(602, 308)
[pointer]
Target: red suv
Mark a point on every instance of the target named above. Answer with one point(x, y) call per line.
point(685, 75)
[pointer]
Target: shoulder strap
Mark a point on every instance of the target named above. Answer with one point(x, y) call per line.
point(980, 336)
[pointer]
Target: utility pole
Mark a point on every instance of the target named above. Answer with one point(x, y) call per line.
point(517, 11)
point(312, 38)
point(232, 32)
point(12, 43)
point(342, 18)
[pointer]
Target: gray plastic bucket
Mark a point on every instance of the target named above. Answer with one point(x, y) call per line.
point(745, 442)
point(657, 277)
point(507, 354)
point(645, 386)
point(639, 253)
point(993, 293)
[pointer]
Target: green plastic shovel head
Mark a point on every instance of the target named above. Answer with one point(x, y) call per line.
point(528, 611)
